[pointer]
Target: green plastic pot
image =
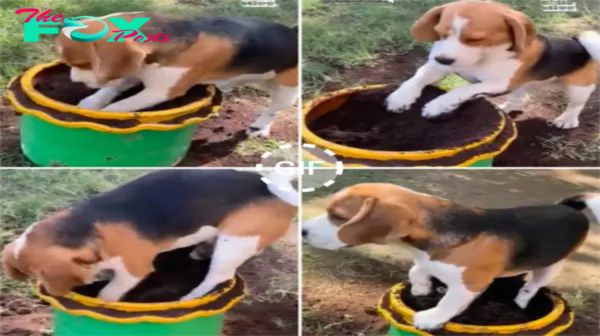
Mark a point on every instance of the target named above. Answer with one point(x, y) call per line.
point(77, 315)
point(480, 153)
point(399, 316)
point(47, 144)
point(53, 133)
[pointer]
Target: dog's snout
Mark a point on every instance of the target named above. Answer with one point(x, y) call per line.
point(304, 233)
point(444, 60)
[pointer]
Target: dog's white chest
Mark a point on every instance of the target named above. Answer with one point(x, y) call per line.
point(497, 70)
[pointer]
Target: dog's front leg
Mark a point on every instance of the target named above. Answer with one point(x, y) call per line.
point(158, 88)
point(409, 91)
point(456, 299)
point(283, 97)
point(122, 282)
point(123, 279)
point(464, 285)
point(107, 94)
point(230, 253)
point(450, 101)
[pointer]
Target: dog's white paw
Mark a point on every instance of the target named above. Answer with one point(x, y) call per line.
point(93, 103)
point(420, 289)
point(437, 107)
point(523, 298)
point(402, 99)
point(429, 319)
point(566, 122)
point(110, 294)
point(259, 129)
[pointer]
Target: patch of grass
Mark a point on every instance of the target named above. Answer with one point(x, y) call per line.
point(560, 147)
point(338, 36)
point(28, 195)
point(577, 300)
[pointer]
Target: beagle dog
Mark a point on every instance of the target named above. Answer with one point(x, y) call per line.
point(464, 247)
point(499, 50)
point(223, 51)
point(121, 231)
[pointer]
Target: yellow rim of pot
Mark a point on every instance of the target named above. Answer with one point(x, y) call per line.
point(407, 313)
point(153, 319)
point(310, 157)
point(132, 306)
point(104, 128)
point(154, 116)
point(359, 153)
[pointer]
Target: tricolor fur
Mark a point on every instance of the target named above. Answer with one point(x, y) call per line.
point(224, 51)
point(465, 247)
point(499, 50)
point(124, 229)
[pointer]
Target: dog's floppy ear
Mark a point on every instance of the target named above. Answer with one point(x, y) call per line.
point(10, 264)
point(523, 30)
point(424, 28)
point(376, 222)
point(113, 60)
point(63, 272)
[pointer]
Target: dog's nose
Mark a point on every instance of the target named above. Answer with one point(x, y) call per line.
point(304, 233)
point(444, 60)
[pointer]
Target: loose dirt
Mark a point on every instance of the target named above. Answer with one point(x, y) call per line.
point(538, 143)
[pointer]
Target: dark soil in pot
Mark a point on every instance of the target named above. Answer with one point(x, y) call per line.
point(495, 307)
point(176, 275)
point(55, 83)
point(364, 122)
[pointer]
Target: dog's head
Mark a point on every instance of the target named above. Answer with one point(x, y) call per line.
point(58, 268)
point(362, 214)
point(467, 33)
point(97, 63)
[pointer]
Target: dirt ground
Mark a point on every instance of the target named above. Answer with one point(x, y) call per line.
point(217, 142)
point(341, 288)
point(269, 308)
point(538, 143)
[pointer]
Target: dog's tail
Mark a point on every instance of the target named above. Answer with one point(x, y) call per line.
point(280, 185)
point(584, 201)
point(591, 42)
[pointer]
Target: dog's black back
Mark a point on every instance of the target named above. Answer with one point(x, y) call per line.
point(163, 204)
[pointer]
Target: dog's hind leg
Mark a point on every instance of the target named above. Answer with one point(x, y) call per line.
point(230, 253)
point(243, 235)
point(541, 278)
point(284, 92)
